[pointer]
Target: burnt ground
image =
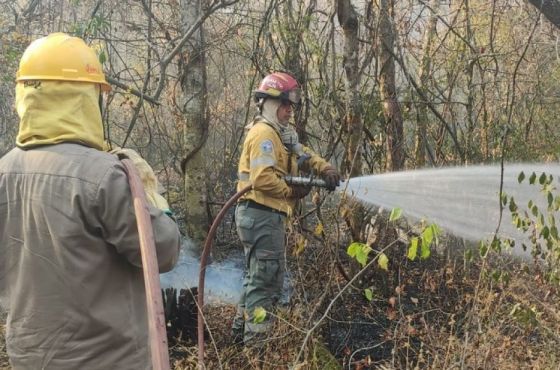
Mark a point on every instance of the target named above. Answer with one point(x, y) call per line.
point(439, 313)
point(444, 312)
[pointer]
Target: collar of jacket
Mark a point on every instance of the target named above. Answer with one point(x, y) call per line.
point(258, 118)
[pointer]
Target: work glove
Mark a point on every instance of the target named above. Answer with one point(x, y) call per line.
point(148, 178)
point(331, 177)
point(290, 139)
point(299, 191)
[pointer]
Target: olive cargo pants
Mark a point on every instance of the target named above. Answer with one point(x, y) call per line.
point(262, 233)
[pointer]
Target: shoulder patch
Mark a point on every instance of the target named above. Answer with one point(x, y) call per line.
point(266, 146)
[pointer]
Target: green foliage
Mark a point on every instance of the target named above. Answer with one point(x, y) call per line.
point(428, 237)
point(413, 249)
point(97, 25)
point(369, 294)
point(359, 251)
point(539, 223)
point(396, 213)
point(527, 316)
point(259, 315)
point(383, 261)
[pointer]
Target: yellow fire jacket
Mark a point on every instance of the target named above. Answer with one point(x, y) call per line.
point(265, 161)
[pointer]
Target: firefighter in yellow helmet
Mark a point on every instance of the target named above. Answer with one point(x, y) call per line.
point(271, 151)
point(70, 270)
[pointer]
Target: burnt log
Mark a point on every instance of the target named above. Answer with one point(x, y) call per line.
point(181, 315)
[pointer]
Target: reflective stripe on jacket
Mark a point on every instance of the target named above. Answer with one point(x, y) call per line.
point(264, 163)
point(70, 266)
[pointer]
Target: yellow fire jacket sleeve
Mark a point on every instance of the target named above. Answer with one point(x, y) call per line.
point(315, 163)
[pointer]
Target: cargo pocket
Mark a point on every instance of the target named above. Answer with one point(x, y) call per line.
point(245, 225)
point(266, 272)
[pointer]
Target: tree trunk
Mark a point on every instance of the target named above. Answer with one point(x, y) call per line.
point(471, 145)
point(193, 106)
point(348, 19)
point(388, 92)
point(421, 145)
point(295, 21)
point(356, 217)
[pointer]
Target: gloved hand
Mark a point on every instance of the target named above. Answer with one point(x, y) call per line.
point(299, 191)
point(289, 137)
point(148, 178)
point(331, 177)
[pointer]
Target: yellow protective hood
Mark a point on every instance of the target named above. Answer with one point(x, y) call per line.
point(53, 112)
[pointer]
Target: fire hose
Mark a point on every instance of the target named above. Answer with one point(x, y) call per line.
point(290, 180)
point(154, 302)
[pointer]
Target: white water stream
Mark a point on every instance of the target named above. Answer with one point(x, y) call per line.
point(223, 280)
point(464, 201)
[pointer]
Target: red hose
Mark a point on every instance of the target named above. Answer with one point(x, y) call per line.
point(203, 262)
point(156, 317)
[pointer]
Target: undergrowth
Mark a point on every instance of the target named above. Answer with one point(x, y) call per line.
point(442, 312)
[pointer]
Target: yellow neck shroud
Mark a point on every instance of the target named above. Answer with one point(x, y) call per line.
point(53, 112)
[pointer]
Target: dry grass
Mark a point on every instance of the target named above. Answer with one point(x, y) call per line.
point(442, 313)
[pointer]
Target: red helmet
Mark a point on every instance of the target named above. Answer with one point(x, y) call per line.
point(279, 85)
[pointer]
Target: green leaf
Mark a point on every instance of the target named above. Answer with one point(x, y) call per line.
point(259, 315)
point(396, 213)
point(545, 232)
point(369, 294)
point(535, 210)
point(542, 179)
point(383, 261)
point(532, 178)
point(413, 249)
point(359, 251)
point(512, 205)
point(521, 177)
point(425, 251)
point(427, 236)
point(516, 220)
point(436, 231)
point(550, 199)
point(353, 249)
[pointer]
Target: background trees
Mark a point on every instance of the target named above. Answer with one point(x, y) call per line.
point(388, 86)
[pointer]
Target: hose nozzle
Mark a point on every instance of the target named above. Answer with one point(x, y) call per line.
point(305, 181)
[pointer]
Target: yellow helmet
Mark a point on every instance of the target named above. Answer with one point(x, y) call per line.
point(61, 57)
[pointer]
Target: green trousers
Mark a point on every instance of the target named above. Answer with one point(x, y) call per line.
point(262, 233)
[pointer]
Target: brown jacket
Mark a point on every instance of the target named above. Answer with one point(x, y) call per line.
point(70, 266)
